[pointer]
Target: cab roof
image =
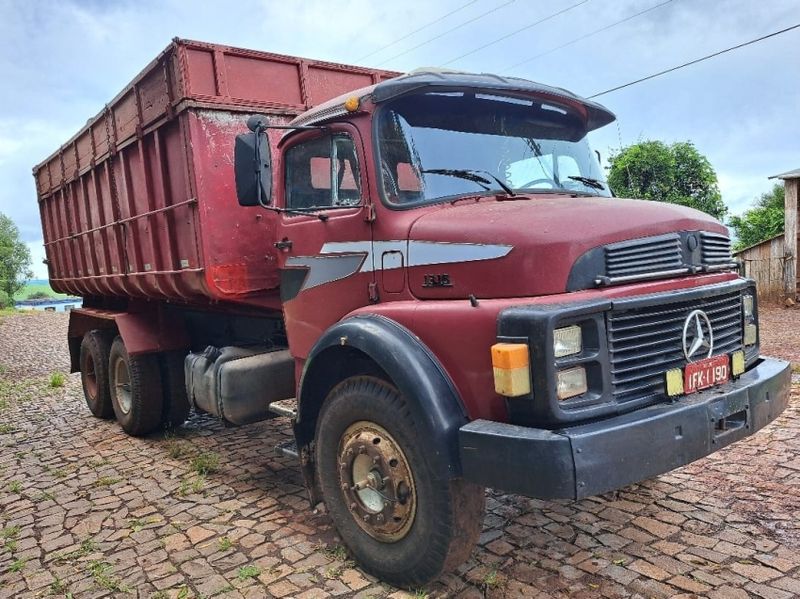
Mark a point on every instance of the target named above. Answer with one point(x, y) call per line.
point(423, 80)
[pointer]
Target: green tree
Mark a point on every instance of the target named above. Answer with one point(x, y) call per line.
point(15, 259)
point(676, 173)
point(763, 221)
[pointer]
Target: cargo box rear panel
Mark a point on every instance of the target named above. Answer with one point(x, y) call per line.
point(141, 202)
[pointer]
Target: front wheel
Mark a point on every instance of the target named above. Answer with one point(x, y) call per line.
point(401, 522)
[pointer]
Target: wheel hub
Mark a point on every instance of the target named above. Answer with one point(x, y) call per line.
point(90, 377)
point(122, 384)
point(377, 482)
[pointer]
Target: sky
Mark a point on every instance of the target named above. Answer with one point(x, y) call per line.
point(61, 61)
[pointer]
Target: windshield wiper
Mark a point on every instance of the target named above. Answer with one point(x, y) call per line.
point(461, 174)
point(471, 175)
point(588, 181)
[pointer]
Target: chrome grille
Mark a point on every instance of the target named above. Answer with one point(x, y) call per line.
point(644, 256)
point(644, 342)
point(715, 249)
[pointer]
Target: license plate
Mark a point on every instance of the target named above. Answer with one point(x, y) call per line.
point(706, 373)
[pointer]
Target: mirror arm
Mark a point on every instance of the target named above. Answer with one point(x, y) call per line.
point(292, 127)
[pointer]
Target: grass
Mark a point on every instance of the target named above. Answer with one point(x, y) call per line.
point(58, 587)
point(17, 565)
point(102, 575)
point(206, 462)
point(337, 552)
point(492, 580)
point(45, 495)
point(106, 481)
point(225, 543)
point(192, 485)
point(39, 288)
point(87, 546)
point(57, 380)
point(246, 572)
point(15, 487)
point(176, 449)
point(7, 428)
point(9, 537)
point(20, 391)
point(183, 592)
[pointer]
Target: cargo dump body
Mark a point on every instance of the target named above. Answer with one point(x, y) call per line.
point(141, 202)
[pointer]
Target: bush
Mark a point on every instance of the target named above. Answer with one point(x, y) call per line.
point(38, 295)
point(57, 380)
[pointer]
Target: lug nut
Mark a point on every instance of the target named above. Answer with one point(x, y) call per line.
point(379, 518)
point(362, 449)
point(353, 506)
point(365, 518)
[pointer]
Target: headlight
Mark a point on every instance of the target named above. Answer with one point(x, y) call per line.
point(567, 341)
point(571, 382)
point(750, 325)
point(747, 306)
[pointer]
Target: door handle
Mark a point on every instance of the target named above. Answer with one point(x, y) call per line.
point(284, 244)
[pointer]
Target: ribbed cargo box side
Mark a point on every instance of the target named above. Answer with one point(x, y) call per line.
point(141, 202)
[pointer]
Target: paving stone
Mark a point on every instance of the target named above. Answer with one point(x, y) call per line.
point(755, 572)
point(645, 568)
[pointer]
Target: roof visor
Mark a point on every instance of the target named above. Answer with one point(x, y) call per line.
point(595, 115)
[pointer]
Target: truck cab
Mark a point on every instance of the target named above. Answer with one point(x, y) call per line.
point(453, 236)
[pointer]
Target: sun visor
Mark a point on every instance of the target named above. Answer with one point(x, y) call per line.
point(596, 114)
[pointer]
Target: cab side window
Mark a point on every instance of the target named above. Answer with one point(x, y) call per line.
point(322, 173)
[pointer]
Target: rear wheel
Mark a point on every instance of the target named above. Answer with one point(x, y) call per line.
point(175, 408)
point(401, 522)
point(95, 349)
point(135, 384)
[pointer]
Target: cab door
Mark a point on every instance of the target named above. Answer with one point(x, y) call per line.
point(325, 243)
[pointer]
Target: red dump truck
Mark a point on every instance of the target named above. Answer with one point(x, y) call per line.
point(426, 272)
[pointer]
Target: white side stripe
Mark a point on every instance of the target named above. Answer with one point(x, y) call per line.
point(361, 256)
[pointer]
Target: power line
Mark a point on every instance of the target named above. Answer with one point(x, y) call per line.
point(408, 35)
point(583, 37)
point(520, 30)
point(686, 64)
point(436, 37)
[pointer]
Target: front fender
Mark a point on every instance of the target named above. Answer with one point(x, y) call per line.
point(408, 363)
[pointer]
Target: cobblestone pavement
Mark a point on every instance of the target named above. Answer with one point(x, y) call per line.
point(86, 511)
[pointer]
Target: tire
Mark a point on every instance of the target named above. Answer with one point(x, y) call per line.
point(95, 349)
point(136, 394)
point(428, 525)
point(175, 407)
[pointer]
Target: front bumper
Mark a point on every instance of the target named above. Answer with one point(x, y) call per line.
point(589, 459)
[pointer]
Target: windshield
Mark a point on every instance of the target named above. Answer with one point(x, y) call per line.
point(438, 146)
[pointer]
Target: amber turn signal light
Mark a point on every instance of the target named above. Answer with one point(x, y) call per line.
point(511, 365)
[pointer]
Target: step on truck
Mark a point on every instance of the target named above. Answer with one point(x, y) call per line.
point(426, 272)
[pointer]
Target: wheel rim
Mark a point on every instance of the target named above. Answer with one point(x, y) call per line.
point(122, 385)
point(90, 376)
point(377, 481)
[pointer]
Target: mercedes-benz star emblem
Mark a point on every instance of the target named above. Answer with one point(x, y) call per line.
point(698, 337)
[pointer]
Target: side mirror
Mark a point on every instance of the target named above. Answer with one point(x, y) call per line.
point(252, 164)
